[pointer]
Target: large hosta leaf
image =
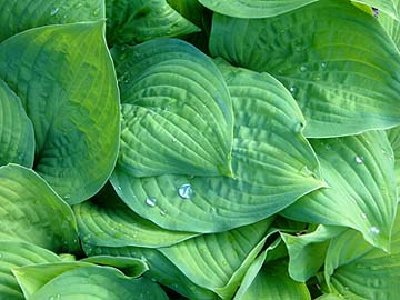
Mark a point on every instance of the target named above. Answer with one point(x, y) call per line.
point(110, 223)
point(273, 165)
point(177, 112)
point(17, 16)
point(97, 283)
point(337, 62)
point(358, 271)
point(135, 21)
point(218, 261)
point(362, 193)
point(65, 79)
point(32, 211)
point(18, 254)
point(16, 132)
point(250, 9)
point(394, 138)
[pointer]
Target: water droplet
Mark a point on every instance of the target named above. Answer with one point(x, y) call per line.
point(364, 215)
point(54, 11)
point(58, 296)
point(303, 68)
point(300, 126)
point(374, 230)
point(163, 213)
point(185, 191)
point(359, 160)
point(174, 140)
point(293, 90)
point(324, 65)
point(151, 202)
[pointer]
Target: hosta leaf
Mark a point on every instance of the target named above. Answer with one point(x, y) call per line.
point(32, 211)
point(110, 223)
point(18, 254)
point(307, 252)
point(250, 9)
point(65, 79)
point(31, 278)
point(160, 269)
point(135, 21)
point(17, 16)
point(358, 271)
point(189, 9)
point(362, 193)
point(394, 138)
point(218, 261)
point(389, 7)
point(177, 113)
point(16, 132)
point(337, 62)
point(391, 23)
point(99, 283)
point(132, 267)
point(273, 167)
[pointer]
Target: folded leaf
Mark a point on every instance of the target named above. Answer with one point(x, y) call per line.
point(131, 267)
point(17, 16)
point(96, 283)
point(337, 62)
point(16, 132)
point(65, 79)
point(18, 254)
point(31, 211)
point(135, 21)
point(273, 165)
point(249, 9)
point(362, 187)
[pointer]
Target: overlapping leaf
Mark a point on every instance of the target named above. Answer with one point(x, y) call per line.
point(135, 21)
point(362, 193)
point(335, 59)
point(16, 132)
point(17, 16)
point(64, 77)
point(250, 9)
point(272, 162)
point(32, 211)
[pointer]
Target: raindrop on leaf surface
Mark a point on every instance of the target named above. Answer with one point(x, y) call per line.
point(185, 191)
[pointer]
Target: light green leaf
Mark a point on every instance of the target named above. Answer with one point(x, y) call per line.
point(394, 138)
point(389, 7)
point(356, 270)
point(132, 267)
point(391, 23)
point(18, 16)
point(362, 187)
point(160, 269)
point(337, 62)
point(218, 261)
point(307, 252)
point(250, 9)
point(273, 167)
point(330, 297)
point(18, 254)
point(135, 21)
point(33, 277)
point(108, 222)
point(97, 283)
point(177, 113)
point(16, 132)
point(65, 79)
point(33, 212)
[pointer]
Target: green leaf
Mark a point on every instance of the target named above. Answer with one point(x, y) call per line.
point(362, 187)
point(394, 138)
point(135, 21)
point(33, 212)
point(337, 61)
point(108, 222)
point(132, 267)
point(18, 16)
point(391, 23)
point(273, 167)
point(99, 283)
point(33, 277)
point(160, 269)
point(18, 254)
point(218, 261)
point(65, 79)
point(249, 9)
point(356, 270)
point(189, 9)
point(177, 113)
point(307, 252)
point(390, 7)
point(16, 132)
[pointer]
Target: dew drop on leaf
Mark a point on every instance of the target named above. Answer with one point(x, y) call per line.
point(374, 230)
point(359, 160)
point(54, 11)
point(364, 215)
point(185, 191)
point(151, 202)
point(303, 68)
point(324, 65)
